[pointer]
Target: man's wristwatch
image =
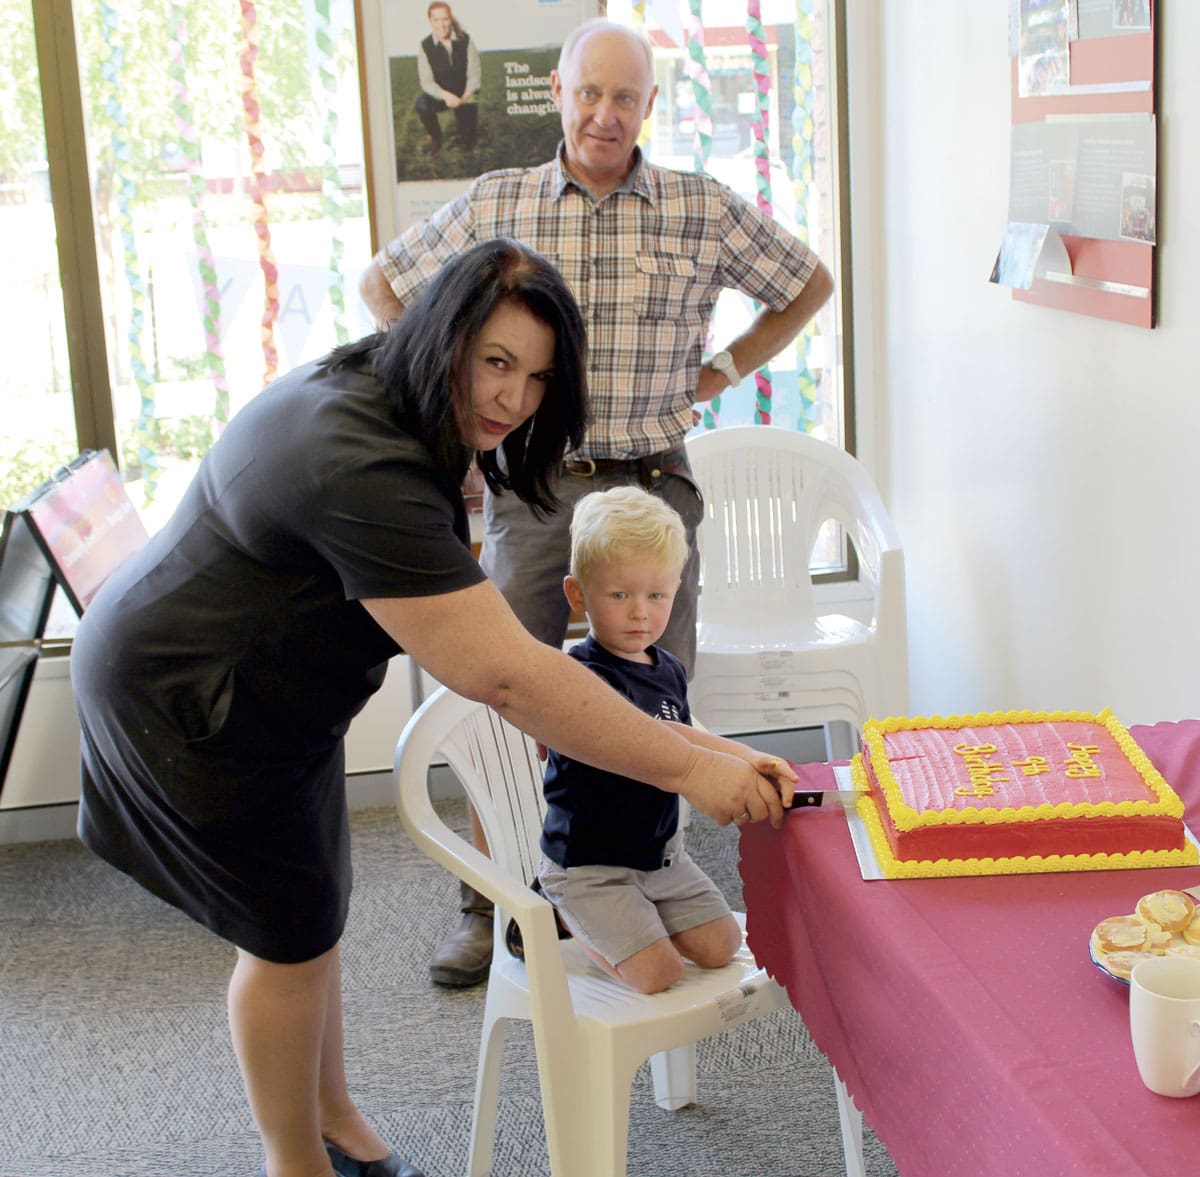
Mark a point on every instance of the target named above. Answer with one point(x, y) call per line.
point(723, 362)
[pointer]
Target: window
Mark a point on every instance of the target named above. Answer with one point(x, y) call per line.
point(753, 102)
point(38, 415)
point(208, 217)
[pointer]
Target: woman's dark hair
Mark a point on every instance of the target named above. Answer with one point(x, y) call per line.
point(425, 366)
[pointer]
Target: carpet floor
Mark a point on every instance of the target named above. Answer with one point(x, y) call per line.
point(115, 1058)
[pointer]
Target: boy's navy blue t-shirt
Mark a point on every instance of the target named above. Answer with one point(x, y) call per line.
point(599, 818)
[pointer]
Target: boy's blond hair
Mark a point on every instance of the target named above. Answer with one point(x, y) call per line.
point(625, 523)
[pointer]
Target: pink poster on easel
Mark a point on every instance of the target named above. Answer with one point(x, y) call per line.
point(86, 524)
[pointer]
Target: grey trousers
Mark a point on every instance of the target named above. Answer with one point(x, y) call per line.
point(527, 558)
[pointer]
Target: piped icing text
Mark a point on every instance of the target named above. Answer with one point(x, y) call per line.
point(984, 774)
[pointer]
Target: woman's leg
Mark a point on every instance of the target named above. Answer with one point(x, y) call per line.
point(341, 1121)
point(277, 1018)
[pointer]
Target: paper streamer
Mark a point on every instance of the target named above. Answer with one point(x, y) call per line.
point(189, 142)
point(696, 68)
point(111, 65)
point(332, 200)
point(762, 114)
point(251, 112)
point(639, 22)
point(762, 166)
point(803, 122)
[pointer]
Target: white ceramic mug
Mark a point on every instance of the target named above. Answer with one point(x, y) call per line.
point(1164, 1022)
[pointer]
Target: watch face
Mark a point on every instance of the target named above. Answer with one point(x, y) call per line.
point(723, 362)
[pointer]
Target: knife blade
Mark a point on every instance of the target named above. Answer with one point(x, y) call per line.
point(809, 798)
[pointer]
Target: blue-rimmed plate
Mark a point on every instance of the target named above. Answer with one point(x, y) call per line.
point(1100, 958)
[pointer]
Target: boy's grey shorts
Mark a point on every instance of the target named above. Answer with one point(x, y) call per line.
point(619, 911)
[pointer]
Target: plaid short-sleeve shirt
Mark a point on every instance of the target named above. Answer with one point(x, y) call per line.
point(646, 264)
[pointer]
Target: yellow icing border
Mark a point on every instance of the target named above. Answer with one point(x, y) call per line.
point(941, 868)
point(906, 818)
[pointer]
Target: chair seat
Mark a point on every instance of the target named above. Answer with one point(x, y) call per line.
point(783, 633)
point(742, 989)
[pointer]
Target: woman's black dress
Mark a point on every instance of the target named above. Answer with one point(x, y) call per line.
point(217, 671)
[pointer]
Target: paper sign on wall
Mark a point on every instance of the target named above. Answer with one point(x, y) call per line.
point(1030, 251)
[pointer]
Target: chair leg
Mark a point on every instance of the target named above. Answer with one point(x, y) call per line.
point(850, 1121)
point(575, 1107)
point(487, 1095)
point(609, 1092)
point(674, 1075)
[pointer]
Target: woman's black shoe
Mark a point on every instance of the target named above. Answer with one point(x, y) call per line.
point(390, 1166)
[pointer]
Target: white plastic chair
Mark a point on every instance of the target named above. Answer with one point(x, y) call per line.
point(769, 656)
point(590, 1032)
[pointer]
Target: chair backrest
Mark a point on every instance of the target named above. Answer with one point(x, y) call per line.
point(767, 494)
point(498, 768)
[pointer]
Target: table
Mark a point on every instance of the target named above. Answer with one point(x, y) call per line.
point(964, 1015)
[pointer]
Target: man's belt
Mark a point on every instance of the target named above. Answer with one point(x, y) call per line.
point(647, 469)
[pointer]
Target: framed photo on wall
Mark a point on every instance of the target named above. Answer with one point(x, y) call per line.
point(451, 90)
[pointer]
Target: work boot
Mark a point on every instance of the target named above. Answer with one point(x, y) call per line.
point(465, 956)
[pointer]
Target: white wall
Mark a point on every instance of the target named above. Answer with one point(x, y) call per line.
point(1042, 467)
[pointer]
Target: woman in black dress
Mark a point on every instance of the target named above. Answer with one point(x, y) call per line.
point(217, 671)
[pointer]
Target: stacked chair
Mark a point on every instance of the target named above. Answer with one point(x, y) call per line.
point(775, 651)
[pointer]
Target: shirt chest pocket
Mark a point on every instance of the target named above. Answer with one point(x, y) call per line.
point(666, 285)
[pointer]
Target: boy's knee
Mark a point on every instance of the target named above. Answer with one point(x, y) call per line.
point(652, 970)
point(714, 945)
point(660, 979)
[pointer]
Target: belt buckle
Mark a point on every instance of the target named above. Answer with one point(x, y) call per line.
point(588, 467)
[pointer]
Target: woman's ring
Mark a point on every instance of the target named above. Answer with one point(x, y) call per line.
point(745, 817)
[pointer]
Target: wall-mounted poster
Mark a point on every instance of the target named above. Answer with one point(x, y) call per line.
point(1084, 160)
point(455, 88)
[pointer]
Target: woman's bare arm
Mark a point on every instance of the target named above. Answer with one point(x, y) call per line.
point(471, 641)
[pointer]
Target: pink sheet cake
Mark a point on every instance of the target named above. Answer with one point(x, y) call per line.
point(1012, 793)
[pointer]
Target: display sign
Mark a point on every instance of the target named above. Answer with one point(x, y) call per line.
point(1084, 161)
point(85, 523)
point(452, 91)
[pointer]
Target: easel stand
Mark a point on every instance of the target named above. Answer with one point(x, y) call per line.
point(71, 533)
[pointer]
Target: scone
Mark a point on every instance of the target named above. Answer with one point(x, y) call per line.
point(1192, 932)
point(1158, 939)
point(1121, 933)
point(1172, 910)
point(1120, 964)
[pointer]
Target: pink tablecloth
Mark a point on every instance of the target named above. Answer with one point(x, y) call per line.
point(964, 1015)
